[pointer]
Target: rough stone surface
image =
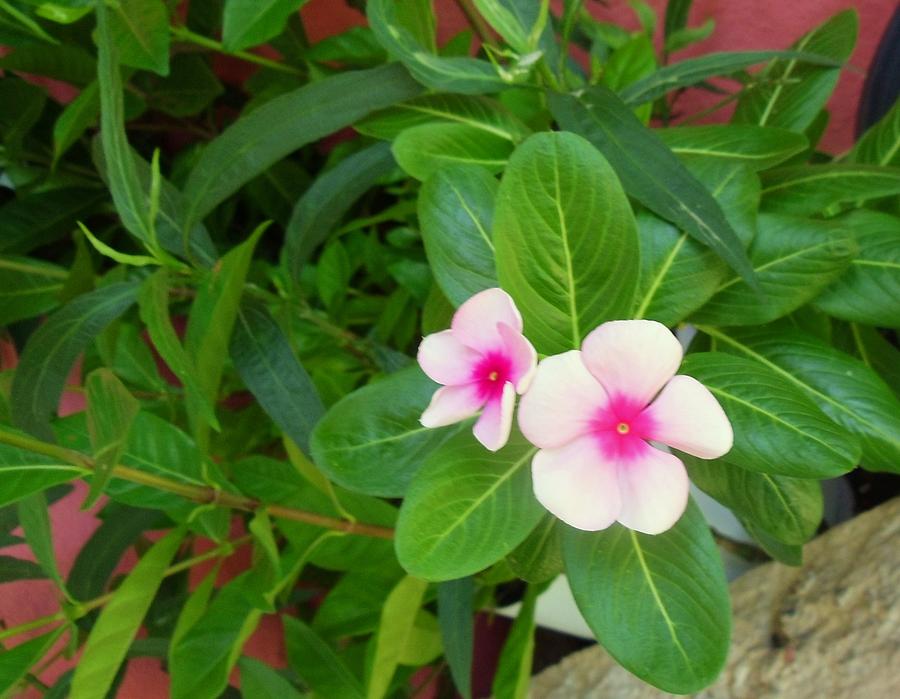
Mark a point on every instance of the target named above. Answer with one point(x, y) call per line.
point(830, 629)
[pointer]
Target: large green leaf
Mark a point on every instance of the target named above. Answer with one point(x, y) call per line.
point(248, 23)
point(756, 147)
point(538, 559)
point(17, 661)
point(455, 74)
point(378, 424)
point(789, 94)
point(777, 428)
point(284, 124)
point(261, 681)
point(267, 365)
point(810, 189)
point(120, 620)
point(423, 150)
point(23, 473)
point(456, 600)
point(12, 569)
point(317, 664)
point(456, 212)
point(482, 113)
point(69, 63)
point(38, 218)
point(140, 32)
point(28, 287)
point(868, 291)
point(466, 508)
point(880, 144)
point(658, 604)
point(693, 71)
point(567, 246)
point(353, 605)
point(53, 348)
point(668, 188)
point(846, 390)
point(789, 509)
point(794, 259)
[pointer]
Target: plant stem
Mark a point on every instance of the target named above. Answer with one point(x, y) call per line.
point(225, 549)
point(185, 34)
point(475, 20)
point(201, 494)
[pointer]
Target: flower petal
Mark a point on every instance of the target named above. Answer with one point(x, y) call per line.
point(561, 403)
point(688, 417)
point(632, 358)
point(654, 487)
point(475, 322)
point(577, 485)
point(495, 423)
point(522, 357)
point(451, 404)
point(447, 360)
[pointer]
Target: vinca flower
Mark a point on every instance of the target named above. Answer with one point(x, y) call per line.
point(593, 414)
point(483, 360)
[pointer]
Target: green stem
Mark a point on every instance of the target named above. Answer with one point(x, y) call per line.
point(476, 21)
point(185, 34)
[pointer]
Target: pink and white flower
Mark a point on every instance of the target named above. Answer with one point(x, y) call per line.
point(593, 414)
point(483, 360)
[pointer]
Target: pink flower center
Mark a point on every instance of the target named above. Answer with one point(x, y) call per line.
point(622, 428)
point(491, 373)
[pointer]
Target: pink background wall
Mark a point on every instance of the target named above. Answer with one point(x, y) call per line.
point(757, 24)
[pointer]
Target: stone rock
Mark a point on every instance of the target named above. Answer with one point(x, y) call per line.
point(829, 629)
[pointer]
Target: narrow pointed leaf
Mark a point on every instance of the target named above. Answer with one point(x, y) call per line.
point(317, 664)
point(810, 189)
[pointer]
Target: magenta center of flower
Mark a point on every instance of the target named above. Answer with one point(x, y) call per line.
point(490, 374)
point(622, 428)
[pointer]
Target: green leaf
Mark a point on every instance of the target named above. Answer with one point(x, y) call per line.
point(53, 348)
point(560, 208)
point(12, 569)
point(630, 62)
point(456, 211)
point(267, 366)
point(788, 509)
point(794, 260)
point(328, 200)
point(193, 608)
point(689, 35)
point(317, 664)
point(16, 661)
point(353, 605)
point(539, 558)
point(111, 410)
point(423, 643)
point(777, 428)
point(201, 660)
point(378, 424)
point(120, 620)
point(189, 88)
point(68, 63)
point(846, 390)
point(394, 630)
point(23, 473)
point(282, 125)
point(333, 272)
point(455, 74)
point(757, 147)
point(810, 189)
point(28, 288)
point(789, 554)
point(34, 517)
point(259, 681)
point(868, 291)
point(880, 144)
point(426, 149)
point(658, 604)
point(877, 353)
point(789, 94)
point(210, 322)
point(467, 508)
point(478, 112)
point(693, 71)
point(456, 600)
point(248, 23)
point(139, 30)
point(36, 219)
point(513, 676)
point(676, 17)
point(668, 188)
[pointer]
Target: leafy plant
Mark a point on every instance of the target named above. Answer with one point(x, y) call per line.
point(242, 273)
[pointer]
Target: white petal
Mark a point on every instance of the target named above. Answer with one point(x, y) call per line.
point(451, 404)
point(633, 358)
point(561, 403)
point(687, 416)
point(447, 360)
point(577, 485)
point(654, 487)
point(475, 322)
point(522, 357)
point(493, 427)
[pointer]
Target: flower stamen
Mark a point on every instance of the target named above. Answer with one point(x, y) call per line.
point(623, 428)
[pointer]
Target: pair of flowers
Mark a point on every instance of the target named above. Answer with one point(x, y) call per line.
point(592, 413)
